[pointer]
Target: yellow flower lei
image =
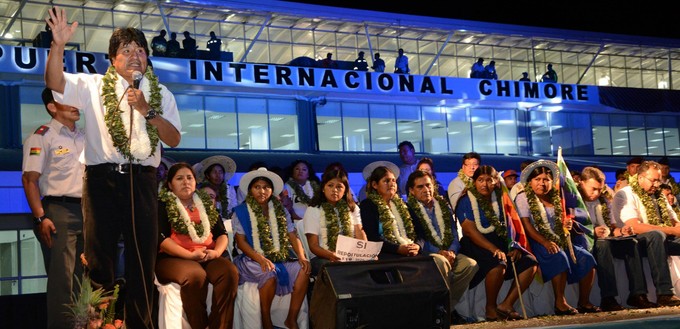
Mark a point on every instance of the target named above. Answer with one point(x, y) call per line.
point(446, 218)
point(174, 217)
point(264, 231)
point(559, 237)
point(652, 214)
point(113, 119)
point(500, 227)
point(675, 188)
point(336, 221)
point(387, 220)
point(469, 184)
point(300, 193)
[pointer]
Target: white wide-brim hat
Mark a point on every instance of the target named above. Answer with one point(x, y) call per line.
point(260, 172)
point(540, 163)
point(368, 170)
point(226, 162)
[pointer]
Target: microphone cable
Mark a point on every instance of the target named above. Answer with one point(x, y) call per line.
point(132, 216)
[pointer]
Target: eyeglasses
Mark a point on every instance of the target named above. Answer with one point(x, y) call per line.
point(655, 182)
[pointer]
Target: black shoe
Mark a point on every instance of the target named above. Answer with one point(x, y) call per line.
point(457, 318)
point(667, 300)
point(640, 301)
point(609, 304)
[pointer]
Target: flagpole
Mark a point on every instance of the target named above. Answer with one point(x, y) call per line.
point(519, 289)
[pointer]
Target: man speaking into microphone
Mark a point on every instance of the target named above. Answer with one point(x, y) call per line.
point(127, 114)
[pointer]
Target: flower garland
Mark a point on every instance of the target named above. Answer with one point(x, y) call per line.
point(491, 212)
point(650, 207)
point(396, 221)
point(300, 193)
point(675, 188)
point(145, 139)
point(271, 236)
point(541, 217)
point(335, 223)
point(469, 184)
point(179, 219)
point(442, 214)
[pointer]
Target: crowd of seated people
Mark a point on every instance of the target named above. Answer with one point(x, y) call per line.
point(465, 232)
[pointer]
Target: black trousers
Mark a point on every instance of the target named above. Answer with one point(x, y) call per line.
point(123, 202)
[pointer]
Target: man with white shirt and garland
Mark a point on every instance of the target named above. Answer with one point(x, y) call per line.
point(119, 189)
point(597, 199)
point(641, 209)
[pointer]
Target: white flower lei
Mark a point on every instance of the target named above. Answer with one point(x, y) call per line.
point(324, 228)
point(140, 145)
point(544, 214)
point(475, 212)
point(272, 224)
point(440, 221)
point(205, 221)
point(398, 226)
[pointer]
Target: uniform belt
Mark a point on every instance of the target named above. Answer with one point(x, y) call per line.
point(121, 168)
point(62, 199)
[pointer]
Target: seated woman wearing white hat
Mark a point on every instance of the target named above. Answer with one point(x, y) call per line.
point(265, 233)
point(548, 229)
point(215, 171)
point(384, 214)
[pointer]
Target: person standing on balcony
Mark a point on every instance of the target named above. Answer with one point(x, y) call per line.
point(401, 63)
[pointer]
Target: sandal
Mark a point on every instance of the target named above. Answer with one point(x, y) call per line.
point(589, 309)
point(508, 315)
point(569, 311)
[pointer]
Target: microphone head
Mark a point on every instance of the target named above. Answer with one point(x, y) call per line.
point(137, 78)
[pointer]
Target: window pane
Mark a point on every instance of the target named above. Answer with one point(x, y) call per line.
point(619, 133)
point(356, 127)
point(329, 126)
point(409, 125)
point(483, 134)
point(602, 144)
point(33, 112)
point(540, 133)
point(252, 124)
point(670, 133)
point(192, 117)
point(506, 130)
point(283, 124)
point(383, 132)
point(220, 123)
point(654, 131)
point(636, 135)
point(434, 121)
point(460, 140)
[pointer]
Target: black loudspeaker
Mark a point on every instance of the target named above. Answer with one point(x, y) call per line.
point(409, 293)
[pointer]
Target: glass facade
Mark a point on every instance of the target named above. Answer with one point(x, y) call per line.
point(263, 35)
point(224, 120)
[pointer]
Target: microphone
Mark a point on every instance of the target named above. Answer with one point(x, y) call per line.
point(137, 78)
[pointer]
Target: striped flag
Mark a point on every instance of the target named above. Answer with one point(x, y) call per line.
point(573, 205)
point(517, 237)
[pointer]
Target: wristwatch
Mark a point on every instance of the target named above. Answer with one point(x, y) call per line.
point(150, 114)
point(38, 220)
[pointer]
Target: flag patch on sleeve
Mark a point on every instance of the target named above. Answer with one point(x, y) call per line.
point(35, 151)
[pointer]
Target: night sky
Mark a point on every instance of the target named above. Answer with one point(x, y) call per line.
point(650, 18)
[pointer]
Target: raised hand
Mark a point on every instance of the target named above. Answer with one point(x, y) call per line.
point(58, 23)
